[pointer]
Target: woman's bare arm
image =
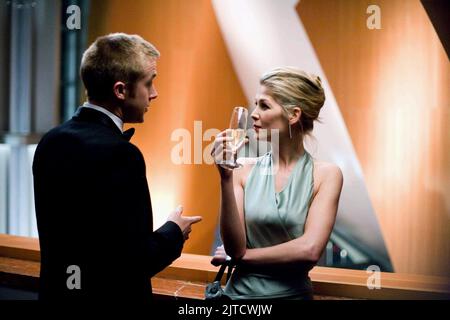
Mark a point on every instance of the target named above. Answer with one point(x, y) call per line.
point(232, 226)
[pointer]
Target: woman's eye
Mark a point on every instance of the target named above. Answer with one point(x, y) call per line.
point(263, 106)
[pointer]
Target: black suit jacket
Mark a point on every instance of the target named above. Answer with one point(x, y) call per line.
point(93, 211)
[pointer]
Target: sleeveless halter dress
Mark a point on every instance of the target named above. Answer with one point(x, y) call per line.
point(272, 218)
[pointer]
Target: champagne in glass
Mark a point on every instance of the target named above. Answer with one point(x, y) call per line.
point(238, 126)
point(238, 136)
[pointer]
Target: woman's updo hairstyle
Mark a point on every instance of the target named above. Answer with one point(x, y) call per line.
point(291, 87)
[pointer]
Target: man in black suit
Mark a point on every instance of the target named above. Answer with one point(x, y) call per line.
point(93, 206)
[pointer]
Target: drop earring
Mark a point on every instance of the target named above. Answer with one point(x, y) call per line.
point(290, 131)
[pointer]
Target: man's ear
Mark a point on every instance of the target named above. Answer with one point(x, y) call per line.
point(295, 115)
point(119, 89)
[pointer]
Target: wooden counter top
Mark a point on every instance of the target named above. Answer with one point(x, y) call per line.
point(187, 276)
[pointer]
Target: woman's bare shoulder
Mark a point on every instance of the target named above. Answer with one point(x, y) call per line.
point(326, 167)
point(325, 172)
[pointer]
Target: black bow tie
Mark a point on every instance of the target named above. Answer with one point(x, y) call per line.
point(127, 134)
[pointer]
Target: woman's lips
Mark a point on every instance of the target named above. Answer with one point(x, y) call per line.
point(256, 127)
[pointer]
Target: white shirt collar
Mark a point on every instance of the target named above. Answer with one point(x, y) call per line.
point(116, 119)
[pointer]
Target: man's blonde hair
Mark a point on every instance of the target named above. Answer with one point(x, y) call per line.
point(111, 58)
point(291, 87)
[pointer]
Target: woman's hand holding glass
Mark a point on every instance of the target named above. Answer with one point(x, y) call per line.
point(228, 142)
point(224, 153)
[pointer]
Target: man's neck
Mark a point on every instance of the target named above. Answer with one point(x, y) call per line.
point(108, 106)
point(108, 111)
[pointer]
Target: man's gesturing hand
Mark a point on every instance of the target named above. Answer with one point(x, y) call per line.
point(184, 222)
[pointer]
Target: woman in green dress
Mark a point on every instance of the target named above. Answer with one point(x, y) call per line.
point(277, 211)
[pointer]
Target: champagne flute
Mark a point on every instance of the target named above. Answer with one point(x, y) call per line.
point(238, 129)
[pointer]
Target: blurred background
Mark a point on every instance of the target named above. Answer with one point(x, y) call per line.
point(386, 122)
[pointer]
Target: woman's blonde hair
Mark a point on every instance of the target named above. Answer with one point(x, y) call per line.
point(291, 87)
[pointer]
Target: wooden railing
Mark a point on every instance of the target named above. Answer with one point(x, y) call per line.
point(187, 276)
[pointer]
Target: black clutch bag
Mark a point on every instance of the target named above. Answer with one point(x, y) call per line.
point(214, 291)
